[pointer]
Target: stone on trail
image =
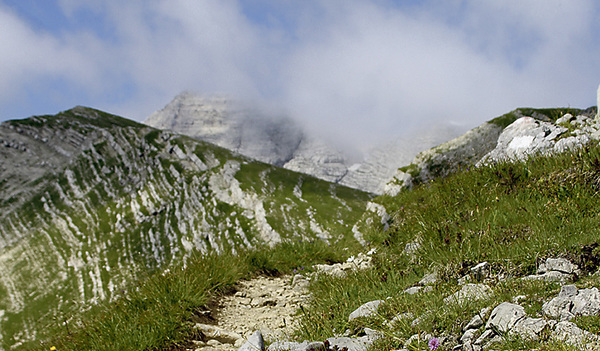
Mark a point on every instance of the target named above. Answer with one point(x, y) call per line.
point(215, 333)
point(255, 343)
point(296, 346)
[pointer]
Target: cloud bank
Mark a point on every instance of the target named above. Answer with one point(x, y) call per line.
point(361, 70)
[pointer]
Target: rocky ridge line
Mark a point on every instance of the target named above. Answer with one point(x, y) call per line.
point(491, 143)
point(278, 140)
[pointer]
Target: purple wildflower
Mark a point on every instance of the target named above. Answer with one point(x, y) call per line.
point(434, 343)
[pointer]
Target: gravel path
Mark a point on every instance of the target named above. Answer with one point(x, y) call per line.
point(268, 304)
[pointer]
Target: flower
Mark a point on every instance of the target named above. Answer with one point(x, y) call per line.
point(434, 343)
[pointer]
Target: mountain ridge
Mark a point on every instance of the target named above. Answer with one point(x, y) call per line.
point(279, 140)
point(116, 200)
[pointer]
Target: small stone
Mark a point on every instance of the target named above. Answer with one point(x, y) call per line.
point(565, 119)
point(475, 323)
point(468, 336)
point(412, 248)
point(300, 282)
point(254, 343)
point(470, 292)
point(296, 346)
point(480, 271)
point(213, 343)
point(366, 310)
point(413, 290)
point(487, 335)
point(429, 279)
point(215, 333)
point(561, 265)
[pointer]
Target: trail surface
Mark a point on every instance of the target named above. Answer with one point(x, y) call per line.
point(268, 304)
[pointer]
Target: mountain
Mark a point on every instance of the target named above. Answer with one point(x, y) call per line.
point(91, 202)
point(279, 140)
point(516, 134)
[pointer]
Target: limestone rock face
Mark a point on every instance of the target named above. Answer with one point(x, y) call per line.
point(219, 120)
point(273, 138)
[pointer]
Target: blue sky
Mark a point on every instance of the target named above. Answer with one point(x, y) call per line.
point(360, 69)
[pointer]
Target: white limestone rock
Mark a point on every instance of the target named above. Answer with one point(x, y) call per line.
point(526, 136)
point(505, 316)
point(254, 343)
point(366, 310)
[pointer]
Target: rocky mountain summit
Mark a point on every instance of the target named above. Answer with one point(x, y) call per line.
point(278, 140)
point(90, 202)
point(513, 136)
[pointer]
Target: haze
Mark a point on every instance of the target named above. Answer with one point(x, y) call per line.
point(357, 70)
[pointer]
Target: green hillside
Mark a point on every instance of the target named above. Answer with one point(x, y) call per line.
point(123, 200)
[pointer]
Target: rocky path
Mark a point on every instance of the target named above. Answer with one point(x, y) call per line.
point(268, 304)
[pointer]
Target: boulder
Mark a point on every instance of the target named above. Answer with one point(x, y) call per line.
point(530, 328)
point(570, 333)
point(525, 136)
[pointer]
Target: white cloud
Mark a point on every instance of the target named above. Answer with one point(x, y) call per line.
point(369, 71)
point(27, 57)
point(359, 69)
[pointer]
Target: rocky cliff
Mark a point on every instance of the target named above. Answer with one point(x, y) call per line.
point(90, 202)
point(280, 141)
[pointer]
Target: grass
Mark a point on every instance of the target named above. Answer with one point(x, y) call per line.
point(136, 216)
point(512, 215)
point(158, 313)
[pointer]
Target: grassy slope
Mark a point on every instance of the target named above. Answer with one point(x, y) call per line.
point(80, 247)
point(511, 215)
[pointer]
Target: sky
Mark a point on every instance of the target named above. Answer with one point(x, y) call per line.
point(362, 70)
